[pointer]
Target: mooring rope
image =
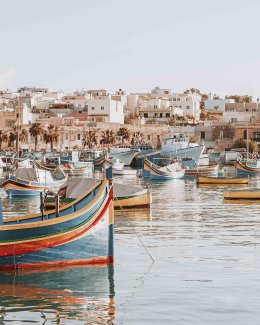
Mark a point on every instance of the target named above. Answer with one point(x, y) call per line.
point(129, 222)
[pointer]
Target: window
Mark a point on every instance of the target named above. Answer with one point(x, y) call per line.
point(102, 108)
point(187, 107)
point(174, 99)
point(155, 106)
point(161, 114)
point(146, 115)
point(245, 134)
point(167, 114)
point(78, 136)
point(221, 134)
point(202, 134)
point(155, 114)
point(92, 108)
point(178, 99)
point(148, 137)
point(256, 136)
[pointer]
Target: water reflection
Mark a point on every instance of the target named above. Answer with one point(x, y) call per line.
point(58, 296)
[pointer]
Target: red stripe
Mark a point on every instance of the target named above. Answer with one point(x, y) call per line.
point(91, 261)
point(23, 248)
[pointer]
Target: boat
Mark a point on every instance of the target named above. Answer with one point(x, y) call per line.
point(97, 157)
point(177, 145)
point(115, 163)
point(33, 181)
point(126, 197)
point(247, 194)
point(201, 170)
point(62, 294)
point(171, 171)
point(124, 153)
point(79, 233)
point(248, 168)
point(71, 169)
point(221, 180)
point(130, 198)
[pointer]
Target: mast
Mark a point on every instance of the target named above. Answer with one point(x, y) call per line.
point(247, 142)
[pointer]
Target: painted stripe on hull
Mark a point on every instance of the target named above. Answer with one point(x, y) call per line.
point(91, 261)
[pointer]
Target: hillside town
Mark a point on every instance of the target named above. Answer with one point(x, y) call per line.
point(53, 120)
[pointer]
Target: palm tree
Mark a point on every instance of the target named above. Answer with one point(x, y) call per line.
point(3, 138)
point(108, 137)
point(51, 135)
point(23, 135)
point(12, 137)
point(124, 133)
point(35, 130)
point(89, 138)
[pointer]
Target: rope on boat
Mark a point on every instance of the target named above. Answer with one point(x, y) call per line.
point(139, 237)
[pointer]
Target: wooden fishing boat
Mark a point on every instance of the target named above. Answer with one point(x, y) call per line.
point(246, 168)
point(126, 197)
point(201, 170)
point(171, 171)
point(221, 180)
point(79, 233)
point(32, 181)
point(253, 194)
point(70, 169)
point(131, 198)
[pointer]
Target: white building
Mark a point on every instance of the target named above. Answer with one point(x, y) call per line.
point(189, 104)
point(217, 105)
point(104, 109)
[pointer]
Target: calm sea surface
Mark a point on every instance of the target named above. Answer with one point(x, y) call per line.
point(206, 267)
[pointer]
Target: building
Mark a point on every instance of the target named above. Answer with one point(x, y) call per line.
point(102, 108)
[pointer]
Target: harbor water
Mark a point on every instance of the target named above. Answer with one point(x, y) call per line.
point(192, 259)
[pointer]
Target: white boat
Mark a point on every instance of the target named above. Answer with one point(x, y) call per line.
point(124, 153)
point(178, 145)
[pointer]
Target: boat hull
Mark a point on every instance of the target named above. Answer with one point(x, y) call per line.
point(18, 187)
point(126, 157)
point(135, 202)
point(82, 234)
point(242, 194)
point(222, 180)
point(191, 152)
point(243, 169)
point(207, 170)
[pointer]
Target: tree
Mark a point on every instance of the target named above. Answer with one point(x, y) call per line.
point(36, 130)
point(3, 138)
point(124, 133)
point(108, 137)
point(51, 135)
point(11, 138)
point(23, 135)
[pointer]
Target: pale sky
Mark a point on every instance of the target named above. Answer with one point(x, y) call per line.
point(136, 45)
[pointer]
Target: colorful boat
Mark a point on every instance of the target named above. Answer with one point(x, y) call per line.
point(222, 180)
point(79, 233)
point(171, 171)
point(248, 168)
point(246, 194)
point(131, 198)
point(70, 169)
point(201, 170)
point(33, 181)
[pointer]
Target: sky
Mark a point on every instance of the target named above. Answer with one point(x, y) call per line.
point(212, 45)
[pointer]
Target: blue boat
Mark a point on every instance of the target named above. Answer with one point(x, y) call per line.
point(33, 181)
point(80, 233)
